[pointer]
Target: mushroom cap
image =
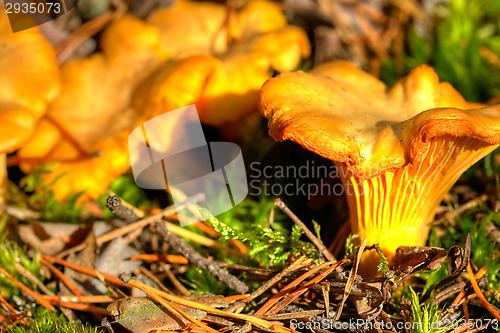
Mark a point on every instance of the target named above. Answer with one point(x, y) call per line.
point(29, 78)
point(173, 85)
point(349, 116)
point(95, 99)
point(201, 27)
point(191, 28)
point(94, 109)
point(232, 90)
point(249, 42)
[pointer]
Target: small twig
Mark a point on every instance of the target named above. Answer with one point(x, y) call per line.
point(117, 207)
point(444, 294)
point(317, 242)
point(137, 225)
point(183, 248)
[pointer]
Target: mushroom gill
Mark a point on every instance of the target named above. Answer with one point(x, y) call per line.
point(398, 151)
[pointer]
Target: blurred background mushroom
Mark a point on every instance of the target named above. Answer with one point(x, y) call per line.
point(85, 129)
point(29, 80)
point(398, 151)
point(249, 43)
point(145, 69)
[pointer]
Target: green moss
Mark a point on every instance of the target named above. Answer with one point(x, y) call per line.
point(53, 322)
point(10, 253)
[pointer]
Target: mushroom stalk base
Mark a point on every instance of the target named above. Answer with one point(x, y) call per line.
point(397, 207)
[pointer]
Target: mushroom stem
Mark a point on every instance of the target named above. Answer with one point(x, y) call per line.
point(397, 207)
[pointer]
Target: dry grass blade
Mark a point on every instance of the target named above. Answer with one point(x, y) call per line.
point(150, 275)
point(33, 279)
point(350, 281)
point(325, 289)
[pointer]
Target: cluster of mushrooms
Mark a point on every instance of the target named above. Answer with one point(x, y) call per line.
point(80, 113)
point(399, 149)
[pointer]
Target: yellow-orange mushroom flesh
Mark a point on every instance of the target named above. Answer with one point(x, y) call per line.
point(398, 151)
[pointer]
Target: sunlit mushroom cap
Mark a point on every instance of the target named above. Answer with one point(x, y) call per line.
point(349, 116)
point(250, 43)
point(29, 78)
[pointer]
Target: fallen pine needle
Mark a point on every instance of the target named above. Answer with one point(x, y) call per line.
point(9, 307)
point(81, 299)
point(170, 258)
point(291, 285)
point(81, 307)
point(37, 298)
point(85, 270)
point(233, 298)
point(480, 295)
point(202, 240)
point(181, 313)
point(176, 299)
point(300, 291)
point(67, 282)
